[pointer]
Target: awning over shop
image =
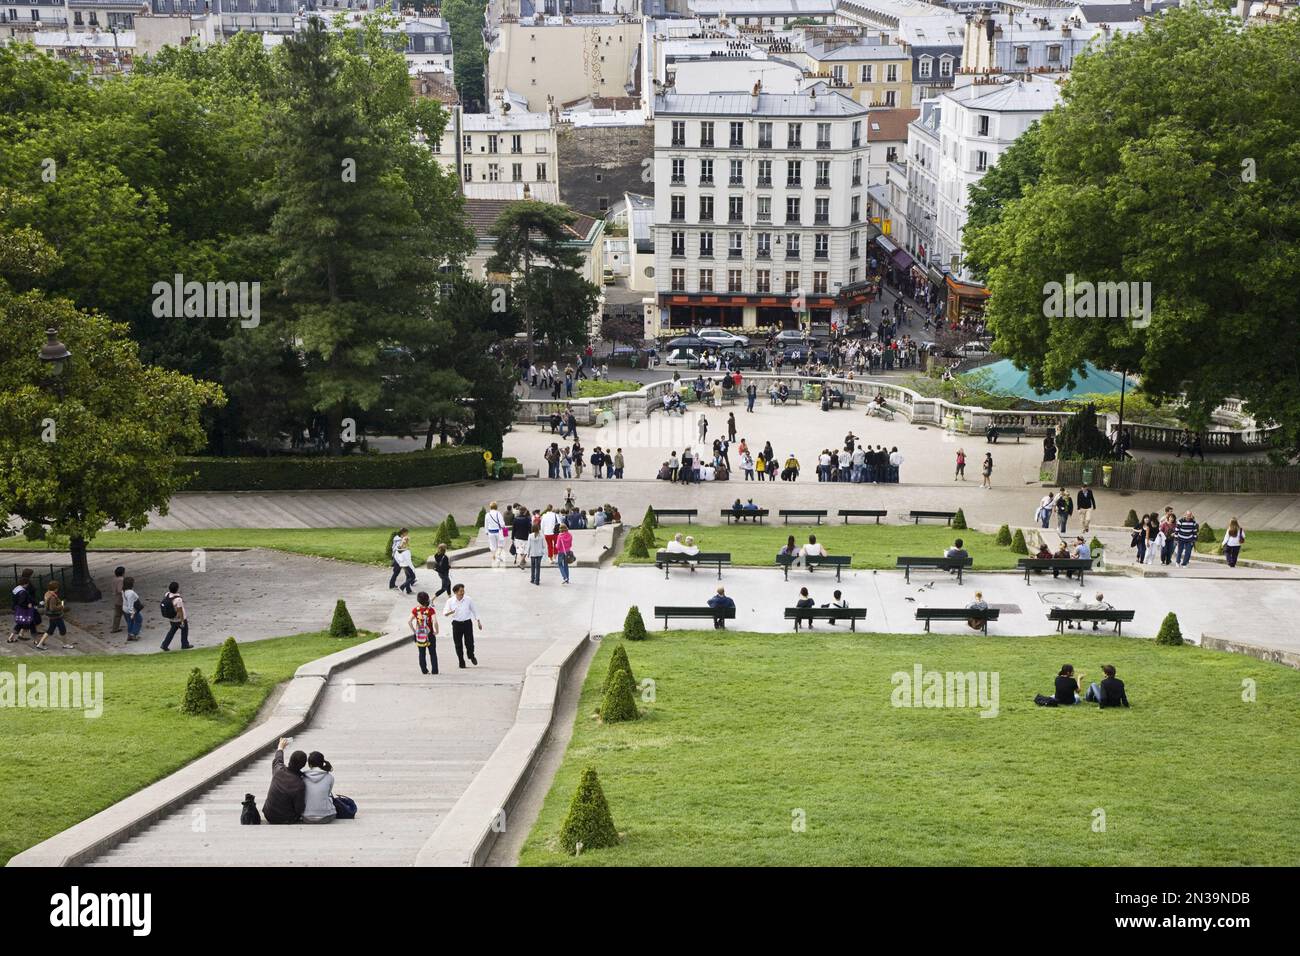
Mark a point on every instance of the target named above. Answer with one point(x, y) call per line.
point(887, 244)
point(935, 275)
point(901, 260)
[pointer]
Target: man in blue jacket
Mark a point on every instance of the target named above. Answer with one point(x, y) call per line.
point(720, 602)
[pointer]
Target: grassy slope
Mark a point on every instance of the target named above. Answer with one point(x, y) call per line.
point(362, 545)
point(872, 545)
point(58, 767)
point(1280, 546)
point(748, 728)
point(590, 388)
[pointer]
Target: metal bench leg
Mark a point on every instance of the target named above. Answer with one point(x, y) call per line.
point(986, 627)
point(837, 573)
point(907, 574)
point(719, 570)
point(853, 624)
point(927, 625)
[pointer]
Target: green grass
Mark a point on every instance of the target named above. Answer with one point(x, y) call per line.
point(361, 545)
point(872, 545)
point(591, 388)
point(746, 729)
point(1280, 546)
point(58, 767)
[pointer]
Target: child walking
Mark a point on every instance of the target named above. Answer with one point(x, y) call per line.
point(424, 627)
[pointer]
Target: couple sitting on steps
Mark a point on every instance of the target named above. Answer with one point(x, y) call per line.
point(300, 795)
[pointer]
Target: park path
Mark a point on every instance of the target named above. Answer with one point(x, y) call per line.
point(404, 745)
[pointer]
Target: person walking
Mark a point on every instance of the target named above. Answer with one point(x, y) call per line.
point(173, 608)
point(1064, 508)
point(1168, 524)
point(760, 466)
point(406, 563)
point(424, 629)
point(961, 465)
point(132, 609)
point(1233, 539)
point(119, 573)
point(1186, 531)
point(26, 617)
point(394, 546)
point(1085, 503)
point(521, 527)
point(618, 463)
point(563, 551)
point(494, 523)
point(54, 609)
point(987, 473)
point(442, 568)
point(731, 427)
point(751, 393)
point(703, 428)
point(536, 548)
point(464, 617)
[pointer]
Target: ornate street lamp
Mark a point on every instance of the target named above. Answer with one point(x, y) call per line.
point(54, 353)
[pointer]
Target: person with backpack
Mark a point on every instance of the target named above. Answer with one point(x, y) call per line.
point(172, 607)
point(132, 609)
point(54, 608)
point(26, 617)
point(424, 628)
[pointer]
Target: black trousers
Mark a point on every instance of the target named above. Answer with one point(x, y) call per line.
point(444, 584)
point(183, 627)
point(462, 635)
point(433, 656)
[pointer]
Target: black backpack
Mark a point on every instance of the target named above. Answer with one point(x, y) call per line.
point(1042, 700)
point(167, 606)
point(248, 815)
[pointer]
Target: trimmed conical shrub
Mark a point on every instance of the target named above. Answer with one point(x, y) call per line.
point(230, 665)
point(618, 662)
point(1004, 537)
point(649, 521)
point(481, 519)
point(442, 535)
point(1170, 633)
point(619, 702)
point(198, 696)
point(633, 626)
point(959, 520)
point(1206, 535)
point(1131, 519)
point(636, 547)
point(588, 825)
point(1018, 545)
point(1095, 545)
point(453, 529)
point(342, 625)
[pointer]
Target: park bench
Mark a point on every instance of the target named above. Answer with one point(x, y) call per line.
point(792, 399)
point(847, 513)
point(1015, 430)
point(946, 564)
point(755, 514)
point(837, 561)
point(853, 614)
point(1112, 616)
point(666, 559)
point(916, 516)
point(788, 513)
point(843, 399)
point(1030, 565)
point(708, 613)
point(687, 513)
point(929, 614)
point(546, 423)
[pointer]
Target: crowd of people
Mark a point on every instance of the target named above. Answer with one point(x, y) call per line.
point(853, 462)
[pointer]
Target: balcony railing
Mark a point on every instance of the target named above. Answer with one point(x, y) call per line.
point(821, 219)
point(823, 144)
point(792, 253)
point(679, 252)
point(734, 216)
point(792, 183)
point(706, 143)
point(821, 254)
point(765, 143)
point(763, 254)
point(765, 182)
point(737, 144)
point(794, 144)
point(679, 141)
point(678, 216)
point(736, 181)
point(706, 216)
point(706, 180)
point(678, 181)
point(735, 254)
point(857, 181)
point(823, 184)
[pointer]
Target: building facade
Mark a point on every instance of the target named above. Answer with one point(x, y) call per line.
point(557, 60)
point(760, 209)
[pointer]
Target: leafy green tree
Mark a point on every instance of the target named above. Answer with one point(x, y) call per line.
point(1016, 171)
point(465, 18)
point(531, 235)
point(562, 302)
point(1170, 162)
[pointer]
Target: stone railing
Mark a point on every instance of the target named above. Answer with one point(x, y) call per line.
point(1218, 440)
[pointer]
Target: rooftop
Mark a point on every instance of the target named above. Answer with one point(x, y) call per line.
point(861, 50)
point(1015, 96)
point(889, 125)
point(753, 8)
point(825, 103)
point(496, 122)
point(484, 213)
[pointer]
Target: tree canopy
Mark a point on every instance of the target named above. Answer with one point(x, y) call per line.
point(1172, 161)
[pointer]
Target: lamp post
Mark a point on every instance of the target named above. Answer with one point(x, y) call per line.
point(55, 356)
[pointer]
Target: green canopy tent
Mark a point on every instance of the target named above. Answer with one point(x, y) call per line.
point(1003, 378)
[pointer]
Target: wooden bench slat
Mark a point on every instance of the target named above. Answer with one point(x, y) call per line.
point(847, 513)
point(852, 614)
point(931, 561)
point(928, 614)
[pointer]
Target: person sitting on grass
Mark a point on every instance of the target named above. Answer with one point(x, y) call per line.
point(979, 604)
point(1110, 693)
point(958, 550)
point(1067, 686)
point(804, 601)
point(719, 602)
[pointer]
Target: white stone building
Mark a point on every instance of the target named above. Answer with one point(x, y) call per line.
point(760, 209)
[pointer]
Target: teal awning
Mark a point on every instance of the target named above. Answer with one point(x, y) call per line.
point(1004, 378)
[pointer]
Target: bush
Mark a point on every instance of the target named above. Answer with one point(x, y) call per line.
point(413, 469)
point(619, 702)
point(1004, 537)
point(636, 546)
point(230, 665)
point(1170, 634)
point(481, 519)
point(1018, 545)
point(1095, 544)
point(588, 824)
point(959, 520)
point(453, 529)
point(442, 535)
point(633, 625)
point(198, 696)
point(649, 521)
point(1131, 519)
point(618, 662)
point(1079, 436)
point(341, 625)
point(1206, 535)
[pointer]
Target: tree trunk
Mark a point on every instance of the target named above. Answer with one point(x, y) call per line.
point(429, 433)
point(82, 586)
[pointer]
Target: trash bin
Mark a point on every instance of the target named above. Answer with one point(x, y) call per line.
point(1105, 474)
point(1087, 475)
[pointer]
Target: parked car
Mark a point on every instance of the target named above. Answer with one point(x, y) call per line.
point(682, 357)
point(793, 337)
point(722, 337)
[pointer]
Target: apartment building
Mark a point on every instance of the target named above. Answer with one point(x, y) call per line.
point(561, 59)
point(771, 14)
point(870, 69)
point(499, 155)
point(760, 208)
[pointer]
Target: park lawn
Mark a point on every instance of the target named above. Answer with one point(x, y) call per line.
point(748, 732)
point(1280, 546)
point(872, 545)
point(58, 767)
point(592, 388)
point(361, 545)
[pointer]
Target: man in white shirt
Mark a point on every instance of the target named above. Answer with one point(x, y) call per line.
point(896, 462)
point(813, 549)
point(674, 546)
point(550, 523)
point(494, 523)
point(464, 618)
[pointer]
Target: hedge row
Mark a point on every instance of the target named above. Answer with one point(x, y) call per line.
point(415, 469)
